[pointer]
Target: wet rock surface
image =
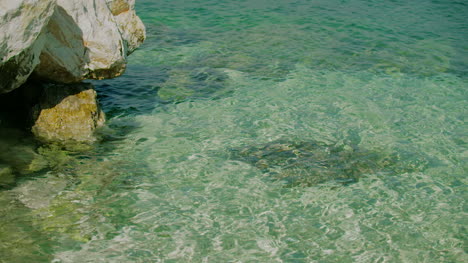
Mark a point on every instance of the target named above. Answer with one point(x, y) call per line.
point(67, 113)
point(309, 163)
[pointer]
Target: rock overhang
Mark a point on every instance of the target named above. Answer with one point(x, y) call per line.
point(66, 41)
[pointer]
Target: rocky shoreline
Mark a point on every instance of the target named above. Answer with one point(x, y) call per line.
point(48, 47)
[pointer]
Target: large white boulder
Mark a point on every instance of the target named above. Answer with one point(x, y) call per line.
point(21, 41)
point(66, 41)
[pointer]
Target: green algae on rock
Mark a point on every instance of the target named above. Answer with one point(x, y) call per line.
point(67, 113)
point(71, 192)
point(17, 153)
point(20, 240)
point(6, 175)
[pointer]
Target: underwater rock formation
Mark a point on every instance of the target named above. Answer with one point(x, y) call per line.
point(310, 163)
point(6, 175)
point(193, 83)
point(18, 156)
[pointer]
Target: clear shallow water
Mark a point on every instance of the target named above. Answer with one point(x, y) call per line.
point(384, 82)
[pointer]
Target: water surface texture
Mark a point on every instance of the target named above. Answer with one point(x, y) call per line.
point(265, 131)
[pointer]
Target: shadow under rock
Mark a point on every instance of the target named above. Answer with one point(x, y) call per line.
point(133, 93)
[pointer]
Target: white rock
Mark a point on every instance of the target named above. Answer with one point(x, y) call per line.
point(96, 44)
point(21, 25)
point(64, 57)
point(101, 36)
point(66, 41)
point(131, 27)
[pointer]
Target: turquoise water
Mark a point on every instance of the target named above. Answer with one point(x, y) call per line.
point(264, 131)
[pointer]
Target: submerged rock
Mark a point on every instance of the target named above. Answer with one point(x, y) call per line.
point(311, 163)
point(20, 240)
point(17, 152)
point(38, 193)
point(67, 113)
point(193, 83)
point(24, 159)
point(66, 41)
point(6, 175)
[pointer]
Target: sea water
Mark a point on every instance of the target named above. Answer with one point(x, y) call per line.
point(265, 131)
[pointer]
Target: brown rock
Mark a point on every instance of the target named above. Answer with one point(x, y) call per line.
point(118, 6)
point(67, 113)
